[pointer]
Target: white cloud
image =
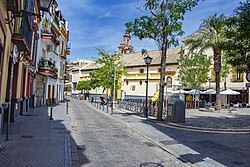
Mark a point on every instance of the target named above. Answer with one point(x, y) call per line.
point(95, 24)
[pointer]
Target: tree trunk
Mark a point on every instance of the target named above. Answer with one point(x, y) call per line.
point(217, 80)
point(162, 79)
point(217, 69)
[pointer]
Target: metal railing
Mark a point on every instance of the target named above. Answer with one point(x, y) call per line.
point(138, 106)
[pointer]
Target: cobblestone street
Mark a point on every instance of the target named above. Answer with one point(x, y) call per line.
point(105, 141)
point(239, 118)
point(91, 137)
point(203, 145)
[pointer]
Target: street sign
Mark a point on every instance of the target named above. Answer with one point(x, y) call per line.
point(248, 76)
point(247, 85)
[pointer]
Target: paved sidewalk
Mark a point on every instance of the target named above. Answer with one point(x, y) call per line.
point(37, 141)
point(196, 148)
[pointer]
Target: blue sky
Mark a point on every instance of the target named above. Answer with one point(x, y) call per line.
point(100, 23)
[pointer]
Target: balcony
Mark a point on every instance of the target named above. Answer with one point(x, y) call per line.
point(50, 36)
point(63, 29)
point(23, 39)
point(47, 68)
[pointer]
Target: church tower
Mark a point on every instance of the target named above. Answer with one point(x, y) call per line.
point(125, 46)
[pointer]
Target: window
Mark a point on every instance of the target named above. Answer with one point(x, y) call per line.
point(159, 69)
point(141, 70)
point(133, 87)
point(74, 85)
point(169, 82)
point(237, 75)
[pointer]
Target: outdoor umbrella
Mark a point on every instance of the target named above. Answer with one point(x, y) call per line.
point(209, 91)
point(179, 91)
point(194, 91)
point(229, 92)
point(155, 96)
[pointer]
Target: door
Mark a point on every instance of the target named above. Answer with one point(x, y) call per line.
point(53, 94)
point(49, 90)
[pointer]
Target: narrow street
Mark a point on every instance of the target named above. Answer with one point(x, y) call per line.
point(123, 139)
point(104, 141)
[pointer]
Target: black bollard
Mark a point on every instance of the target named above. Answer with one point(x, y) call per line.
point(67, 107)
point(51, 110)
point(107, 108)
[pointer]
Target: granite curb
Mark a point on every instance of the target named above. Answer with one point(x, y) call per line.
point(200, 129)
point(192, 128)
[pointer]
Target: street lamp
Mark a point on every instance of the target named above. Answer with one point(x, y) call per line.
point(113, 101)
point(11, 6)
point(147, 61)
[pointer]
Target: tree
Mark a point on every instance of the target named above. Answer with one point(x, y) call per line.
point(193, 70)
point(237, 32)
point(210, 36)
point(84, 85)
point(104, 75)
point(162, 23)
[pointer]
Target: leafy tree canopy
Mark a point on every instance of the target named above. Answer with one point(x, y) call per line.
point(162, 22)
point(104, 75)
point(84, 85)
point(193, 70)
point(237, 32)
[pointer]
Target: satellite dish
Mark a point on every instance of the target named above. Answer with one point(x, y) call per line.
point(15, 54)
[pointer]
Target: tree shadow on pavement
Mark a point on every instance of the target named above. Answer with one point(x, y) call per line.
point(229, 149)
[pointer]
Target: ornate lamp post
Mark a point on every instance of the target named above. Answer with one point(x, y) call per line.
point(147, 61)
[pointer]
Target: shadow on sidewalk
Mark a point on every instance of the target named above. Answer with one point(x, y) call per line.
point(226, 148)
point(37, 140)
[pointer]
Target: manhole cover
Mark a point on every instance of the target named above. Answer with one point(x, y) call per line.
point(149, 144)
point(169, 142)
point(26, 136)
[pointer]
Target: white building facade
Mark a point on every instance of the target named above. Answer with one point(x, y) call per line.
point(52, 52)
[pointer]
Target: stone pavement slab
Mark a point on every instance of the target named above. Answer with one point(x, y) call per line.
point(197, 148)
point(37, 141)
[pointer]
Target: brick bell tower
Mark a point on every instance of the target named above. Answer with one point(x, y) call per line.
point(125, 46)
